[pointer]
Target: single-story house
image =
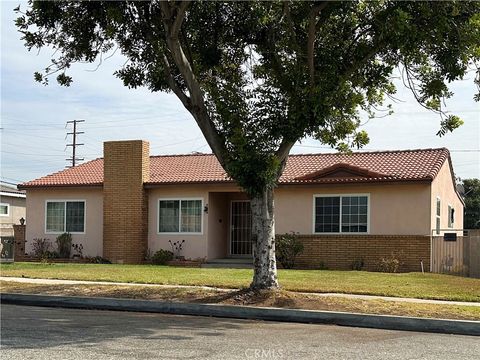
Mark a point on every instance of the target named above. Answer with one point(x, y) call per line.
point(12, 208)
point(345, 207)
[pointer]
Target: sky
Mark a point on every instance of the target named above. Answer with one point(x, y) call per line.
point(33, 117)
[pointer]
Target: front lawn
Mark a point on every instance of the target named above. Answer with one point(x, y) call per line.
point(415, 285)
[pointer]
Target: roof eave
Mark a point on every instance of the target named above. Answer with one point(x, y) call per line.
point(46, 186)
point(357, 181)
point(154, 184)
point(12, 194)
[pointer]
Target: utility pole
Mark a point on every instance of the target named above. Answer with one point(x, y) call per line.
point(74, 143)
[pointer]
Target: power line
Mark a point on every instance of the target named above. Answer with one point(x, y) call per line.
point(8, 182)
point(368, 149)
point(74, 143)
point(11, 179)
point(30, 154)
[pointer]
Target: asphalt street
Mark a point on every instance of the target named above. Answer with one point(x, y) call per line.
point(53, 333)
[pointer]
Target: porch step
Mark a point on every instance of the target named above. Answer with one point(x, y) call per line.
point(229, 263)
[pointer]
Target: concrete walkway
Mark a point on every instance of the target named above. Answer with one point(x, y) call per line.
point(349, 296)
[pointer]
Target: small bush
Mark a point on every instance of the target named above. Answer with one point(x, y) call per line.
point(78, 248)
point(64, 245)
point(41, 248)
point(322, 265)
point(390, 264)
point(357, 264)
point(177, 248)
point(97, 260)
point(52, 255)
point(287, 247)
point(48, 255)
point(161, 257)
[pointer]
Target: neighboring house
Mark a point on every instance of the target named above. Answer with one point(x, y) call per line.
point(345, 207)
point(12, 208)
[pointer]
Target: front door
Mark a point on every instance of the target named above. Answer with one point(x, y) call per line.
point(241, 228)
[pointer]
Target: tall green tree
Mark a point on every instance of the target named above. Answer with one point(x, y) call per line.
point(471, 193)
point(259, 76)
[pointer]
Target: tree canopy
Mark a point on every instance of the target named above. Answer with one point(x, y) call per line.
point(471, 193)
point(259, 76)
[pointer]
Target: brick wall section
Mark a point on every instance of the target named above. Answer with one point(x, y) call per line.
point(338, 252)
point(126, 168)
point(19, 236)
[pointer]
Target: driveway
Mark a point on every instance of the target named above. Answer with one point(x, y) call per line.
point(52, 333)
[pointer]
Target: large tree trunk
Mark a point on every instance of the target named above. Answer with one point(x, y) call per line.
point(263, 231)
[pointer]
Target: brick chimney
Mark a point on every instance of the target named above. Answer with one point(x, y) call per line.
point(126, 166)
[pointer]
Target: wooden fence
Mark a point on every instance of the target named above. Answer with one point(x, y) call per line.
point(456, 252)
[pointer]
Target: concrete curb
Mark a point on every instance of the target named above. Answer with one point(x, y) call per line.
point(458, 327)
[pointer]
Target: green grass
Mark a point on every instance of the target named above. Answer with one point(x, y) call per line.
point(414, 285)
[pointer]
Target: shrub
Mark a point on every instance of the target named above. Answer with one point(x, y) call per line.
point(64, 245)
point(51, 255)
point(357, 264)
point(78, 248)
point(161, 257)
point(322, 265)
point(98, 260)
point(390, 264)
point(287, 247)
point(41, 247)
point(177, 247)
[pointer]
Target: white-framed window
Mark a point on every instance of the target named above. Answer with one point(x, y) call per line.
point(4, 209)
point(348, 213)
point(180, 216)
point(438, 212)
point(65, 216)
point(451, 216)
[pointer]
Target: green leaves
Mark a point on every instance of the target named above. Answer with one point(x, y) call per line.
point(449, 124)
point(472, 203)
point(270, 73)
point(64, 80)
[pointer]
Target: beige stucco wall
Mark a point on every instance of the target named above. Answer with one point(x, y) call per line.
point(395, 209)
point(92, 239)
point(196, 246)
point(218, 225)
point(443, 187)
point(16, 211)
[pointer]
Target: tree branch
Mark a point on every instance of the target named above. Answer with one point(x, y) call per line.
point(357, 65)
point(284, 149)
point(290, 26)
point(197, 103)
point(177, 24)
point(174, 86)
point(312, 27)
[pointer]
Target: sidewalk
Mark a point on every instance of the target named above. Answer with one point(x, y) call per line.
point(349, 296)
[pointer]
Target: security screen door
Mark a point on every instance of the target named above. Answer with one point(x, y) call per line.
point(241, 228)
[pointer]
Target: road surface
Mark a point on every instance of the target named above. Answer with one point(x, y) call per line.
point(53, 333)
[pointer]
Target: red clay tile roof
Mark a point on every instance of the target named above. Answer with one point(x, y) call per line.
point(87, 174)
point(404, 165)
